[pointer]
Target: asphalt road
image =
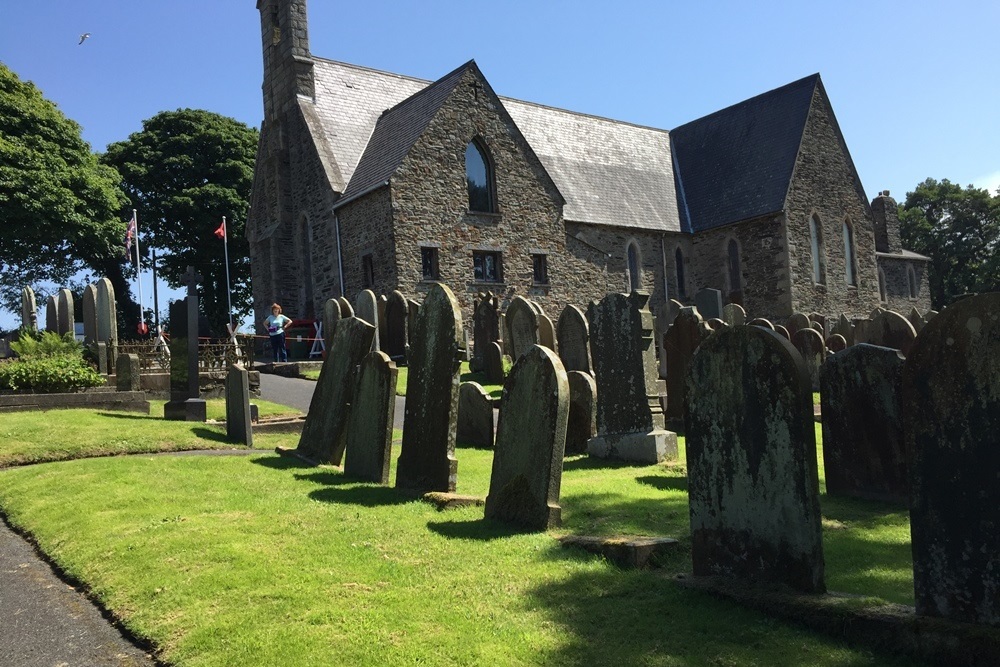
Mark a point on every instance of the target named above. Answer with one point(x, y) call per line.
point(298, 394)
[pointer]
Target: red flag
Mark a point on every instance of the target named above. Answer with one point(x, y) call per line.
point(129, 233)
point(221, 231)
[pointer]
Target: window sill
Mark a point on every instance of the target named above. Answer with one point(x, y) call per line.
point(484, 214)
point(487, 283)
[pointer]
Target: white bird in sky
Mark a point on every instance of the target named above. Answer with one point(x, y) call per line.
point(83, 37)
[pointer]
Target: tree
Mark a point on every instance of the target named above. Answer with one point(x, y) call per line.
point(959, 229)
point(183, 172)
point(58, 204)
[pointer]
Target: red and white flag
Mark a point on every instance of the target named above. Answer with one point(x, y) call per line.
point(221, 231)
point(130, 232)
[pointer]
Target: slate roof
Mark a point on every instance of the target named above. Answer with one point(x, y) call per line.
point(736, 164)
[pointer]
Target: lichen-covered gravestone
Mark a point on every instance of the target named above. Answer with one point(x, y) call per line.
point(369, 427)
point(531, 437)
point(475, 416)
point(630, 423)
point(395, 326)
point(812, 347)
point(681, 340)
point(238, 426)
point(366, 308)
point(734, 315)
point(90, 314)
point(485, 328)
point(427, 458)
point(522, 327)
point(708, 301)
point(951, 409)
point(751, 455)
point(582, 411)
point(29, 309)
point(864, 452)
point(128, 373)
point(890, 329)
point(573, 334)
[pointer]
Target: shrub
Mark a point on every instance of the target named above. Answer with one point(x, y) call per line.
point(48, 374)
point(35, 345)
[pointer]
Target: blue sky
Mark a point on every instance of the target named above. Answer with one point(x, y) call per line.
point(913, 84)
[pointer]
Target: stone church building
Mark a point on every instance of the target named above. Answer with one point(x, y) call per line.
point(367, 179)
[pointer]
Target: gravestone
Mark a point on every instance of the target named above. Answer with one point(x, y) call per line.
point(475, 416)
point(951, 409)
point(90, 314)
point(366, 308)
point(783, 332)
point(662, 320)
point(101, 352)
point(708, 301)
point(485, 328)
point(331, 316)
point(107, 319)
point(412, 312)
point(522, 327)
point(64, 312)
point(323, 434)
point(185, 402)
point(395, 326)
point(427, 458)
point(864, 453)
point(890, 329)
point(530, 442)
point(845, 328)
point(797, 321)
point(630, 423)
point(836, 343)
point(494, 364)
point(862, 331)
point(238, 428)
point(582, 424)
point(346, 310)
point(128, 373)
point(715, 324)
point(734, 315)
point(820, 319)
point(546, 332)
point(381, 301)
point(751, 454)
point(51, 315)
point(680, 343)
point(369, 427)
point(761, 322)
point(812, 347)
point(29, 309)
point(573, 334)
point(916, 319)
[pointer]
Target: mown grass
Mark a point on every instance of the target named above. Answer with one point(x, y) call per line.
point(493, 390)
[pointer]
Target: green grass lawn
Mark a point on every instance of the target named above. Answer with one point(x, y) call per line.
point(260, 560)
point(493, 390)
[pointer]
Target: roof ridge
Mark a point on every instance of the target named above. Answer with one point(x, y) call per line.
point(584, 114)
point(815, 77)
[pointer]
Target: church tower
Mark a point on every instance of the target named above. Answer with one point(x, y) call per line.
point(288, 66)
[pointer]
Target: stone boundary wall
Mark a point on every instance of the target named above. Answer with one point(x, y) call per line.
point(124, 401)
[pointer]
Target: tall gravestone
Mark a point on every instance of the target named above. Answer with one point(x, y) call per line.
point(680, 342)
point(531, 437)
point(65, 308)
point(412, 312)
point(381, 300)
point(331, 316)
point(323, 434)
point(582, 424)
point(864, 453)
point(951, 409)
point(346, 310)
point(29, 309)
point(494, 364)
point(522, 327)
point(573, 334)
point(395, 326)
point(812, 347)
point(751, 456)
point(366, 307)
point(708, 301)
point(90, 314)
point(890, 329)
point(238, 426)
point(427, 457)
point(128, 373)
point(51, 315)
point(369, 427)
point(547, 332)
point(485, 328)
point(107, 319)
point(185, 402)
point(475, 416)
point(629, 417)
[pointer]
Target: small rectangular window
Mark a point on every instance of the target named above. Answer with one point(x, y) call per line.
point(429, 263)
point(487, 266)
point(367, 271)
point(540, 269)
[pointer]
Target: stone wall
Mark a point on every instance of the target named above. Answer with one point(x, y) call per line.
point(897, 289)
point(612, 244)
point(366, 228)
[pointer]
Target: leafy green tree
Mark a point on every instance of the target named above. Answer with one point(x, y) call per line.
point(184, 171)
point(959, 229)
point(58, 205)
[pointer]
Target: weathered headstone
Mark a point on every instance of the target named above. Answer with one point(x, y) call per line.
point(582, 411)
point(475, 416)
point(734, 315)
point(238, 426)
point(101, 352)
point(522, 327)
point(331, 316)
point(547, 333)
point(761, 322)
point(573, 334)
point(412, 312)
point(494, 364)
point(836, 343)
point(90, 314)
point(680, 343)
point(29, 309)
point(485, 328)
point(862, 329)
point(715, 324)
point(366, 308)
point(864, 453)
point(427, 458)
point(369, 427)
point(107, 319)
point(128, 373)
point(630, 423)
point(51, 315)
point(812, 347)
point(890, 329)
point(820, 319)
point(708, 301)
point(530, 442)
point(916, 319)
point(797, 321)
point(381, 301)
point(346, 309)
point(783, 332)
point(395, 326)
point(185, 402)
point(64, 312)
point(323, 434)
point(751, 455)
point(845, 328)
point(951, 409)
point(665, 314)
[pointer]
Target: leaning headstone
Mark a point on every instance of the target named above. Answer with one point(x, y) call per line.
point(494, 364)
point(395, 326)
point(64, 312)
point(90, 314)
point(475, 416)
point(751, 456)
point(812, 347)
point(708, 301)
point(680, 343)
point(630, 423)
point(346, 309)
point(547, 332)
point(797, 321)
point(864, 453)
point(582, 411)
point(522, 327)
point(485, 328)
point(427, 458)
point(29, 309)
point(185, 402)
point(238, 426)
point(951, 409)
point(761, 322)
point(734, 315)
point(573, 335)
point(369, 427)
point(128, 373)
point(366, 307)
point(51, 315)
point(890, 329)
point(530, 442)
point(331, 316)
point(323, 434)
point(836, 343)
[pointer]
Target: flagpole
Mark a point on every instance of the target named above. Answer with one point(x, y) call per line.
point(229, 294)
point(138, 263)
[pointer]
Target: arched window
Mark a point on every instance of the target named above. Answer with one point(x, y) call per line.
point(634, 264)
point(882, 294)
point(679, 268)
point(911, 281)
point(733, 270)
point(850, 261)
point(479, 178)
point(819, 262)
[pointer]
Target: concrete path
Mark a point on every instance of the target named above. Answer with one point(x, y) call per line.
point(298, 394)
point(47, 623)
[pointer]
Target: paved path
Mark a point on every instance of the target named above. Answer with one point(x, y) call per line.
point(298, 393)
point(47, 623)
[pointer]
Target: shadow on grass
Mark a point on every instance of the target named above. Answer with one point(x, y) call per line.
point(584, 462)
point(365, 496)
point(664, 483)
point(615, 514)
point(209, 434)
point(129, 415)
point(277, 462)
point(483, 530)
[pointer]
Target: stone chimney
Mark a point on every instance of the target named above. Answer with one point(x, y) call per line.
point(886, 219)
point(288, 65)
